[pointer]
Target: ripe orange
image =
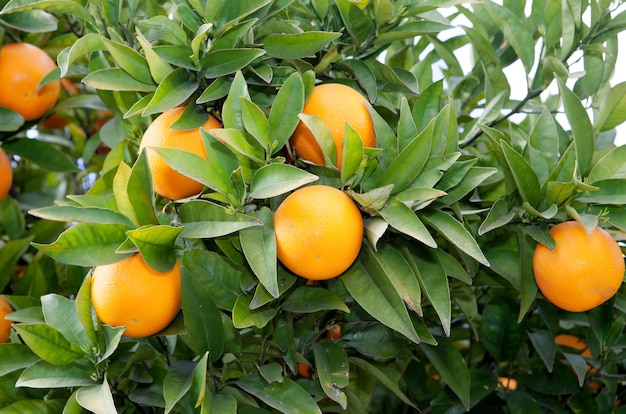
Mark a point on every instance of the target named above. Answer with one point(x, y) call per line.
point(574, 342)
point(22, 67)
point(584, 271)
point(507, 383)
point(319, 231)
point(6, 174)
point(167, 182)
point(333, 333)
point(5, 324)
point(130, 293)
point(304, 369)
point(335, 104)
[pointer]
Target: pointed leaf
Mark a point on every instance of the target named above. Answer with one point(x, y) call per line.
point(309, 299)
point(273, 180)
point(523, 174)
point(157, 245)
point(259, 247)
point(403, 219)
point(48, 343)
point(299, 45)
point(96, 398)
point(227, 61)
point(42, 374)
point(331, 363)
point(174, 90)
point(60, 313)
point(287, 104)
point(14, 357)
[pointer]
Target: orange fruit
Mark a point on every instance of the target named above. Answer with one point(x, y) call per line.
point(584, 270)
point(5, 324)
point(319, 231)
point(574, 342)
point(22, 68)
point(335, 104)
point(54, 122)
point(333, 333)
point(304, 369)
point(132, 294)
point(6, 174)
point(167, 182)
point(507, 383)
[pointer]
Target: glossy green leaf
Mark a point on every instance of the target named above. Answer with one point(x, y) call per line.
point(90, 42)
point(157, 245)
point(49, 406)
point(31, 21)
point(308, 299)
point(41, 153)
point(83, 309)
point(434, 283)
point(14, 357)
point(116, 79)
point(48, 343)
point(401, 275)
point(403, 219)
point(287, 104)
point(612, 110)
point(140, 191)
point(455, 233)
point(611, 191)
point(368, 284)
point(331, 363)
point(62, 7)
point(611, 166)
point(273, 180)
point(10, 254)
point(204, 219)
point(69, 213)
point(501, 332)
point(237, 142)
point(218, 276)
point(543, 342)
point(175, 89)
point(60, 313)
point(255, 123)
point(352, 155)
point(10, 120)
point(245, 317)
point(450, 365)
point(158, 67)
point(96, 398)
point(356, 22)
point(323, 137)
point(523, 174)
point(381, 377)
point(128, 59)
point(581, 128)
point(296, 46)
point(287, 396)
point(410, 30)
point(202, 317)
point(227, 61)
point(259, 247)
point(87, 244)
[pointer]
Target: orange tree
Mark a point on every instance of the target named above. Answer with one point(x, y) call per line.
point(465, 180)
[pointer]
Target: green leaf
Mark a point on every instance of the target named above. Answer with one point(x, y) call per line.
point(202, 318)
point(323, 137)
point(255, 122)
point(455, 233)
point(10, 120)
point(611, 191)
point(543, 342)
point(174, 90)
point(60, 313)
point(42, 153)
point(83, 309)
point(611, 165)
point(196, 167)
point(68, 213)
point(245, 317)
point(449, 363)
point(287, 104)
point(582, 130)
point(502, 334)
point(48, 343)
point(116, 79)
point(299, 45)
point(237, 142)
point(612, 110)
point(309, 299)
point(356, 22)
point(128, 59)
point(523, 175)
point(14, 357)
point(157, 245)
point(410, 30)
point(89, 42)
point(158, 67)
point(259, 247)
point(332, 367)
point(409, 163)
point(10, 253)
point(515, 32)
point(218, 276)
point(61, 7)
point(31, 21)
point(49, 406)
point(381, 377)
point(226, 61)
point(434, 282)
point(352, 156)
point(177, 383)
point(96, 398)
point(87, 245)
point(273, 180)
point(402, 276)
point(403, 219)
point(368, 284)
point(140, 191)
point(42, 374)
point(287, 396)
point(204, 219)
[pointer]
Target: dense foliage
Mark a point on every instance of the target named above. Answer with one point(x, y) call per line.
point(465, 180)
